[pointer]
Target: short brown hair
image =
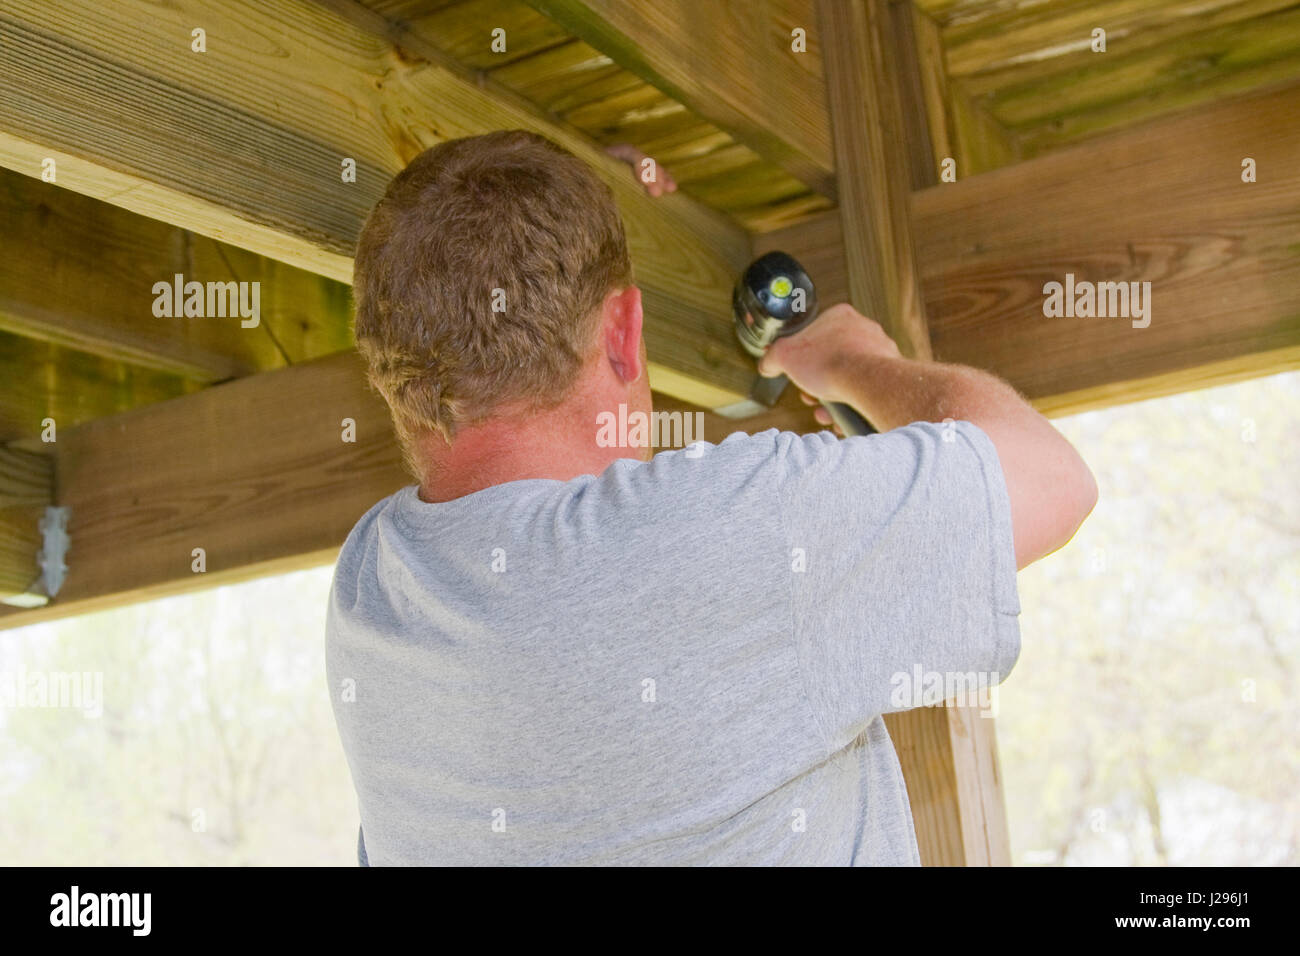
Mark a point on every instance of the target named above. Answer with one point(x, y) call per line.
point(505, 218)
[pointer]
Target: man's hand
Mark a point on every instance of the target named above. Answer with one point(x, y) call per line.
point(656, 180)
point(817, 357)
point(845, 357)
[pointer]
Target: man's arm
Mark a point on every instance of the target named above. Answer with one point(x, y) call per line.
point(846, 357)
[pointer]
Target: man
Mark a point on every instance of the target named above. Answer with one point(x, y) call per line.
point(551, 651)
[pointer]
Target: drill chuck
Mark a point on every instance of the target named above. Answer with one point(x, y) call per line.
point(775, 298)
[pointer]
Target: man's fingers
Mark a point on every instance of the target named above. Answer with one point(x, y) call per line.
point(660, 185)
point(823, 417)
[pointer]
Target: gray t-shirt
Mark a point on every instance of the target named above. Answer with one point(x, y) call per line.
point(680, 661)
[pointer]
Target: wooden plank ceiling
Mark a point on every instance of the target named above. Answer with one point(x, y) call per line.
point(1030, 67)
point(709, 90)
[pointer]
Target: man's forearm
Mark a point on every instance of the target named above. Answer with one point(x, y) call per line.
point(846, 357)
point(1050, 488)
point(894, 391)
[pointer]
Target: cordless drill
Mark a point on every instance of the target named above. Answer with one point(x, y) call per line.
point(775, 298)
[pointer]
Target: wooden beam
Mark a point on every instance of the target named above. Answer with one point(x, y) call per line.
point(80, 273)
point(724, 62)
point(46, 380)
point(865, 76)
point(259, 131)
point(255, 472)
point(883, 148)
point(818, 243)
point(1120, 89)
point(26, 488)
point(1013, 44)
point(981, 143)
point(954, 785)
point(936, 93)
point(1163, 203)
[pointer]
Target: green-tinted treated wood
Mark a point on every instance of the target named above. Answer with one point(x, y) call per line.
point(688, 142)
point(20, 540)
point(1028, 42)
point(304, 316)
point(864, 64)
point(714, 162)
point(616, 114)
point(563, 76)
point(26, 488)
point(614, 106)
point(26, 479)
point(936, 94)
point(778, 215)
point(1119, 77)
point(464, 30)
point(1162, 203)
point(284, 92)
point(583, 90)
point(750, 186)
point(1125, 90)
point(45, 380)
point(253, 471)
point(725, 64)
point(79, 272)
point(406, 9)
point(982, 144)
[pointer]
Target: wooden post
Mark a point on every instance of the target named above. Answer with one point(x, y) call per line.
point(874, 91)
point(26, 483)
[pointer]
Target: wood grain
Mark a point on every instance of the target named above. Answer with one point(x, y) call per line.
point(722, 62)
point(254, 471)
point(867, 75)
point(255, 130)
point(80, 273)
point(45, 380)
point(26, 488)
point(1120, 89)
point(883, 149)
point(1163, 203)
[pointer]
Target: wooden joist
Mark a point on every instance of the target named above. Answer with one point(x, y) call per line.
point(867, 75)
point(256, 472)
point(49, 381)
point(1026, 78)
point(1163, 203)
point(883, 148)
point(730, 64)
point(1135, 81)
point(1020, 43)
point(246, 142)
point(26, 487)
point(81, 274)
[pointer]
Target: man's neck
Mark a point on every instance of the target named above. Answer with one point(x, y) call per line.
point(557, 443)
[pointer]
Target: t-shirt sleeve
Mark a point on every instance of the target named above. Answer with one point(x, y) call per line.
point(903, 572)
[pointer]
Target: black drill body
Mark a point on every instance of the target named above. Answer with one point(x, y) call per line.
point(773, 299)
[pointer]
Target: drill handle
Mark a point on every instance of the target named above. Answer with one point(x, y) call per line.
point(848, 420)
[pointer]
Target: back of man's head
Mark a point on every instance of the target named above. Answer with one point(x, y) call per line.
point(479, 279)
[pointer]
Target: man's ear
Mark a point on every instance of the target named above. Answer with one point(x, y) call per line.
point(621, 320)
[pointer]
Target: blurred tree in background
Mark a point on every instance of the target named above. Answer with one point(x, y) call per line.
point(1152, 718)
point(216, 745)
